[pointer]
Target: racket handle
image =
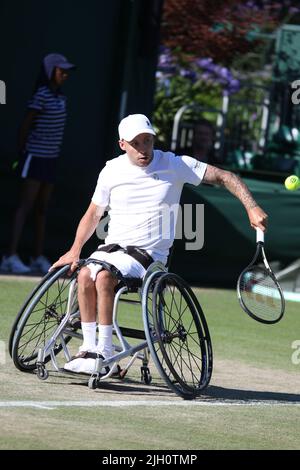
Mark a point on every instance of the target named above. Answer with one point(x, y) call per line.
point(260, 236)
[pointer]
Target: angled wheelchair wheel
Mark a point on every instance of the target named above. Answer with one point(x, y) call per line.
point(23, 309)
point(178, 335)
point(42, 313)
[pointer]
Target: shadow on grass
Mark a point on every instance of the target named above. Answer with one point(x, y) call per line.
point(232, 394)
point(115, 385)
point(130, 386)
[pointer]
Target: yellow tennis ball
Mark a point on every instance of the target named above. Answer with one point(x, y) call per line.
point(292, 183)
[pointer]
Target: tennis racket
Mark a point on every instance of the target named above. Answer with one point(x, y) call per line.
point(258, 290)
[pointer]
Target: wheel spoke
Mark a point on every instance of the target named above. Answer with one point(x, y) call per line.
point(181, 344)
point(41, 317)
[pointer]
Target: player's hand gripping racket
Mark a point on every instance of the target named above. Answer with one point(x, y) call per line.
point(258, 290)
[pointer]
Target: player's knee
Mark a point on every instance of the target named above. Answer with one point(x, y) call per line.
point(105, 281)
point(85, 281)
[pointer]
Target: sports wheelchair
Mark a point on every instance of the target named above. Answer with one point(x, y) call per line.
point(175, 333)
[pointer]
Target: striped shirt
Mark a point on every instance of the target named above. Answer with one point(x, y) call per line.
point(46, 136)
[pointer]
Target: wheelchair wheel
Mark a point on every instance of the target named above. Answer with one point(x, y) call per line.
point(23, 309)
point(178, 335)
point(40, 317)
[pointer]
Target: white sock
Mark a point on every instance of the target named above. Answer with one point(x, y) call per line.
point(89, 336)
point(105, 340)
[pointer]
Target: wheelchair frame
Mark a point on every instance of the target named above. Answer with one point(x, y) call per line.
point(168, 331)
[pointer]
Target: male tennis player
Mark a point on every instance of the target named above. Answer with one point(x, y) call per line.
point(134, 187)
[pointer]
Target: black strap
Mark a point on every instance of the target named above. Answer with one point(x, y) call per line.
point(139, 254)
point(110, 248)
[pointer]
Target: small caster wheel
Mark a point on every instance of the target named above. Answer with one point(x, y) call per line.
point(42, 372)
point(145, 375)
point(93, 383)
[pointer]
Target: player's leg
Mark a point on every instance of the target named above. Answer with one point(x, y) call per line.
point(105, 286)
point(87, 300)
point(87, 296)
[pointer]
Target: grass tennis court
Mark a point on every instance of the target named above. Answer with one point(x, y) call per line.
point(253, 401)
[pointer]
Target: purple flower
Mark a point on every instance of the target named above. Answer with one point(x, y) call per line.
point(203, 69)
point(205, 76)
point(190, 74)
point(165, 59)
point(203, 62)
point(225, 73)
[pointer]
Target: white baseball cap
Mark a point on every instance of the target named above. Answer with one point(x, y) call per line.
point(133, 125)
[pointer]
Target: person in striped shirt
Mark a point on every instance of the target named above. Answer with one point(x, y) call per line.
point(40, 140)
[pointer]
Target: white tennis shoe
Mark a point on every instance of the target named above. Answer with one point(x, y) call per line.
point(85, 362)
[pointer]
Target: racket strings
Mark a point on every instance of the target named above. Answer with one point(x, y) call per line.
point(260, 294)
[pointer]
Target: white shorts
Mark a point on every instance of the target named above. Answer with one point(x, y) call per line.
point(128, 266)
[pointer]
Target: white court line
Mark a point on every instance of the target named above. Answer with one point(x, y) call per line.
point(131, 403)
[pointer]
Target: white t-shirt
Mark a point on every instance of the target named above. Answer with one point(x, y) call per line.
point(143, 201)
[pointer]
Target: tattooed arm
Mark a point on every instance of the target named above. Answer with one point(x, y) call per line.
point(234, 184)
